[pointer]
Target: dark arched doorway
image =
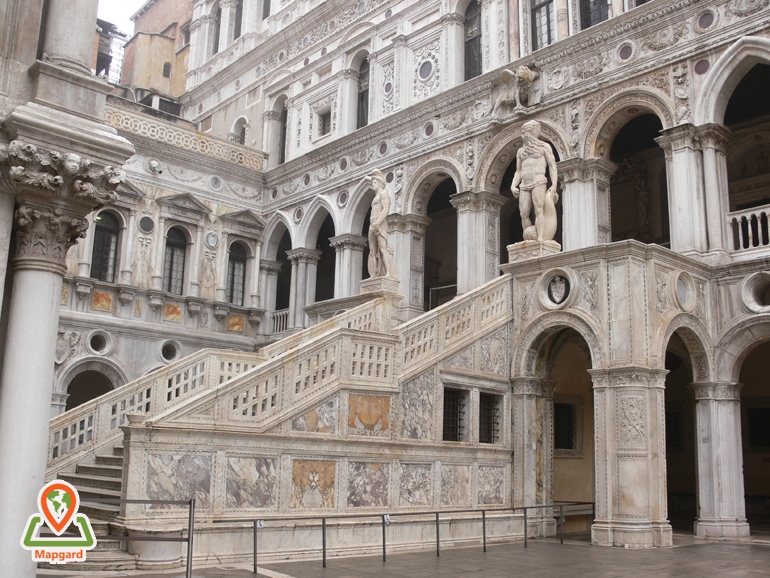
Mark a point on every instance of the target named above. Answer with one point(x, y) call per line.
point(86, 386)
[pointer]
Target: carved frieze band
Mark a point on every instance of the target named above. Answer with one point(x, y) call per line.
point(717, 391)
point(536, 387)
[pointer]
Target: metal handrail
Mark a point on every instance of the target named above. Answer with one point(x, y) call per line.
point(386, 516)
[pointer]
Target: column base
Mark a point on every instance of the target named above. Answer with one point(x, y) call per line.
point(719, 529)
point(632, 534)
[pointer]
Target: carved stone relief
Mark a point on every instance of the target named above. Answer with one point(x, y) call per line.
point(491, 485)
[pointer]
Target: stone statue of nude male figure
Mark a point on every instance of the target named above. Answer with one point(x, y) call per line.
point(380, 262)
point(530, 183)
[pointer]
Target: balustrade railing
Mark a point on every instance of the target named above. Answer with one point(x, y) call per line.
point(749, 228)
point(280, 321)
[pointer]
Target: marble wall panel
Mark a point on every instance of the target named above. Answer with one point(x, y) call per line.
point(463, 360)
point(417, 398)
point(455, 485)
point(235, 323)
point(321, 419)
point(491, 485)
point(312, 484)
point(251, 482)
point(494, 352)
point(180, 477)
point(368, 484)
point(415, 488)
point(101, 301)
point(172, 313)
point(369, 415)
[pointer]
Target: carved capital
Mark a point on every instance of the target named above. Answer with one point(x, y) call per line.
point(270, 267)
point(44, 235)
point(271, 115)
point(348, 74)
point(714, 136)
point(453, 18)
point(533, 386)
point(400, 40)
point(678, 138)
point(407, 223)
point(583, 170)
point(636, 377)
point(348, 241)
point(717, 391)
point(477, 202)
point(303, 255)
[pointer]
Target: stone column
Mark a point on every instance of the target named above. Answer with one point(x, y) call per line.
point(453, 25)
point(268, 283)
point(349, 265)
point(585, 202)
point(54, 192)
point(685, 189)
point(630, 458)
point(255, 286)
point(85, 250)
point(478, 238)
point(271, 137)
point(713, 141)
point(127, 253)
point(195, 252)
point(721, 505)
point(303, 263)
point(533, 448)
point(160, 253)
point(69, 33)
point(228, 22)
point(222, 265)
point(562, 19)
point(407, 236)
point(487, 35)
point(348, 81)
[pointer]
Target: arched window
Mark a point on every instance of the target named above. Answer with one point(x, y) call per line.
point(363, 95)
point(236, 274)
point(592, 12)
point(284, 128)
point(173, 265)
point(167, 70)
point(238, 20)
point(265, 9)
point(217, 26)
point(105, 250)
point(473, 63)
point(239, 132)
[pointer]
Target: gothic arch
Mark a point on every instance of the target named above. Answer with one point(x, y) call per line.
point(423, 182)
point(528, 353)
point(315, 215)
point(501, 150)
point(724, 76)
point(110, 368)
point(736, 343)
point(273, 234)
point(607, 121)
point(697, 340)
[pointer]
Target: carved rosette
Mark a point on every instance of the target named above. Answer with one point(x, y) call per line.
point(717, 391)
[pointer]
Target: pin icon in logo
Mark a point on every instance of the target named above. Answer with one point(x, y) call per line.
point(58, 502)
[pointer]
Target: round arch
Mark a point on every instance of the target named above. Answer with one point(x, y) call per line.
point(695, 337)
point(736, 343)
point(317, 212)
point(105, 365)
point(358, 205)
point(422, 184)
point(724, 76)
point(606, 122)
point(278, 224)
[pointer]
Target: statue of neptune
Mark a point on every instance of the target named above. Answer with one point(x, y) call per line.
point(529, 185)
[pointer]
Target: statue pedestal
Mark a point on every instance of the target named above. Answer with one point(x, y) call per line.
point(527, 250)
point(380, 285)
point(373, 288)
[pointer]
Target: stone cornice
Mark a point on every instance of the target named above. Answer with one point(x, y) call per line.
point(533, 386)
point(630, 376)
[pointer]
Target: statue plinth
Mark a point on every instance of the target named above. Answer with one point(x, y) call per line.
point(526, 250)
point(380, 285)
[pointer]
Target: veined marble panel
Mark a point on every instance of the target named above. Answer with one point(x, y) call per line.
point(494, 352)
point(464, 359)
point(455, 485)
point(321, 419)
point(369, 415)
point(180, 477)
point(312, 484)
point(417, 397)
point(368, 484)
point(415, 488)
point(251, 482)
point(491, 485)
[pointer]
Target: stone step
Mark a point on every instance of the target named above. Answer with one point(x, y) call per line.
point(95, 510)
point(109, 460)
point(117, 450)
point(99, 470)
point(97, 494)
point(81, 481)
point(106, 560)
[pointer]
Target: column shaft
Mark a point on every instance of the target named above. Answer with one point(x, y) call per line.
point(69, 33)
point(586, 202)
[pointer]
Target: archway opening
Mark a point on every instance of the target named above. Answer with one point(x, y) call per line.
point(440, 279)
point(681, 472)
point(639, 188)
point(365, 253)
point(86, 386)
point(755, 430)
point(283, 283)
point(748, 159)
point(325, 270)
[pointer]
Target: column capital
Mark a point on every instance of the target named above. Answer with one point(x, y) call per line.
point(348, 241)
point(452, 18)
point(477, 201)
point(44, 234)
point(684, 136)
point(348, 73)
point(714, 136)
point(400, 40)
point(407, 223)
point(533, 386)
point(303, 255)
point(629, 376)
point(271, 115)
point(716, 391)
point(590, 169)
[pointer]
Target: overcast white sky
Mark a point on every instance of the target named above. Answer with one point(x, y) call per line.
point(119, 12)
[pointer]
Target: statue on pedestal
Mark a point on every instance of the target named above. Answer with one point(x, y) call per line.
point(530, 185)
point(380, 262)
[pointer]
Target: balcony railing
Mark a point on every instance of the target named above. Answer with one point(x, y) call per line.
point(280, 321)
point(749, 228)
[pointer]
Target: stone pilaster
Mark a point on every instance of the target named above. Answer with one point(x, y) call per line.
point(303, 274)
point(478, 238)
point(685, 189)
point(713, 141)
point(349, 265)
point(268, 271)
point(453, 28)
point(722, 510)
point(407, 236)
point(630, 458)
point(586, 202)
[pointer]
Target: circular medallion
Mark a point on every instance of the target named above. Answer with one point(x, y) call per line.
point(388, 87)
point(425, 69)
point(383, 148)
point(389, 177)
point(558, 289)
point(428, 129)
point(306, 180)
point(388, 13)
point(298, 212)
point(706, 20)
point(342, 199)
point(625, 52)
point(146, 225)
point(211, 240)
point(702, 67)
point(274, 193)
point(343, 164)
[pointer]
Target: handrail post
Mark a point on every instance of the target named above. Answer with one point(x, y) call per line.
point(525, 526)
point(190, 527)
point(383, 537)
point(323, 532)
point(255, 548)
point(484, 527)
point(561, 523)
point(438, 548)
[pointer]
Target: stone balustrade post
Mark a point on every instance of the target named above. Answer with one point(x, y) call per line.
point(349, 264)
point(585, 202)
point(721, 505)
point(406, 234)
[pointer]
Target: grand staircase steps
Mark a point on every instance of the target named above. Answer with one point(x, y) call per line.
point(83, 482)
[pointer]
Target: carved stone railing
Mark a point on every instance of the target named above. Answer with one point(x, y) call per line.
point(749, 228)
point(280, 321)
point(79, 433)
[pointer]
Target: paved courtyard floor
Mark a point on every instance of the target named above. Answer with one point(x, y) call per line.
point(543, 558)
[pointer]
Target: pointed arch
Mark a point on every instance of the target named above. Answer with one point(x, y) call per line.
point(724, 76)
point(423, 182)
point(278, 224)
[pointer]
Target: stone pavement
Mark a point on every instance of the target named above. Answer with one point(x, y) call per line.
point(542, 559)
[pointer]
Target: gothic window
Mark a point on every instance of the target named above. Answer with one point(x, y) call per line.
point(173, 265)
point(236, 274)
point(238, 20)
point(592, 12)
point(543, 24)
point(489, 418)
point(105, 247)
point(284, 128)
point(473, 62)
point(324, 123)
point(167, 70)
point(363, 95)
point(455, 401)
point(217, 26)
point(265, 9)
